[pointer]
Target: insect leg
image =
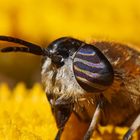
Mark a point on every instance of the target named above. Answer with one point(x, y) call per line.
point(59, 133)
point(132, 129)
point(62, 111)
point(94, 121)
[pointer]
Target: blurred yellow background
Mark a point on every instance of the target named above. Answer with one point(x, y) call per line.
point(43, 21)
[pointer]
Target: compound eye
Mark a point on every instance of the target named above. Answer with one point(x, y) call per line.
point(92, 70)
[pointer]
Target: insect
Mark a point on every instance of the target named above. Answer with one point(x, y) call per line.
point(98, 82)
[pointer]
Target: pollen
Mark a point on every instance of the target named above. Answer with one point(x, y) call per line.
point(25, 114)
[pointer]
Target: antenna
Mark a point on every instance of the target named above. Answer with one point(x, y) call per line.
point(31, 48)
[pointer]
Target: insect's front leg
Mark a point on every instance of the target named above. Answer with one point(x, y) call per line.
point(94, 121)
point(59, 133)
point(61, 110)
point(132, 129)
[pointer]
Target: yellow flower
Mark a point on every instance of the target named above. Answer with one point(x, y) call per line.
point(26, 115)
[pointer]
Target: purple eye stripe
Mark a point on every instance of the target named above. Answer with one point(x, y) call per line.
point(90, 64)
point(87, 68)
point(90, 58)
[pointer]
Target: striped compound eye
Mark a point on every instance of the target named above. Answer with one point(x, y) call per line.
point(92, 70)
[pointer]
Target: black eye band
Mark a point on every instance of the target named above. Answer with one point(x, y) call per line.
point(31, 48)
